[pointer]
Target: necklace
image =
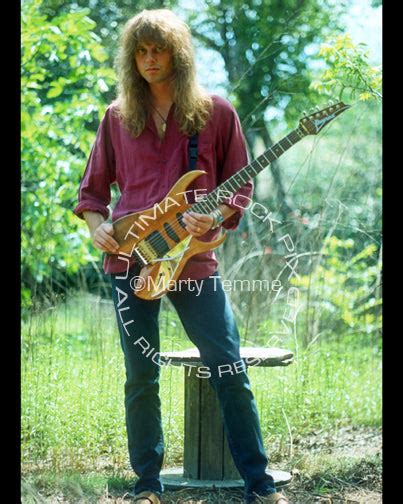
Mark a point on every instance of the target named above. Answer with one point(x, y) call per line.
point(164, 124)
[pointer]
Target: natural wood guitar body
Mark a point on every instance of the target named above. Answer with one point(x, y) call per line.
point(157, 237)
point(147, 235)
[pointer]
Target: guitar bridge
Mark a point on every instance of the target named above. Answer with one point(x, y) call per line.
point(151, 248)
point(141, 260)
point(145, 253)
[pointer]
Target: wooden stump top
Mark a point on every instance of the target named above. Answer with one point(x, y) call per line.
point(253, 356)
point(207, 458)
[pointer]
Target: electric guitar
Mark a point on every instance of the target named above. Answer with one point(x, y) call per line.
point(157, 237)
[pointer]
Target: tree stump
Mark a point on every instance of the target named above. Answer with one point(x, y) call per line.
point(207, 459)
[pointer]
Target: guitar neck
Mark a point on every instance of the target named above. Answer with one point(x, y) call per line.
point(228, 188)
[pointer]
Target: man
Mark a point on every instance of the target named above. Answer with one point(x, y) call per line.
point(142, 145)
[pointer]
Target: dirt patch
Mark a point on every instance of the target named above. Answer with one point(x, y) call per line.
point(342, 466)
point(353, 442)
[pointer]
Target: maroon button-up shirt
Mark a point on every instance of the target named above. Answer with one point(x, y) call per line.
point(146, 167)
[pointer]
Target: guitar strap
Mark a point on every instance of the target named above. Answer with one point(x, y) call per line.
point(193, 151)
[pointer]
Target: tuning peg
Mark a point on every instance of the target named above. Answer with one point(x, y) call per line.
point(330, 102)
point(304, 113)
point(317, 108)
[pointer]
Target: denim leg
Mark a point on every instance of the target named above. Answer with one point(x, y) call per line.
point(209, 323)
point(139, 319)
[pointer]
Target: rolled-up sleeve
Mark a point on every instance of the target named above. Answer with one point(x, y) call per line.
point(95, 193)
point(234, 156)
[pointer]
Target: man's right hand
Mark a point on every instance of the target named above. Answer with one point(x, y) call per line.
point(102, 239)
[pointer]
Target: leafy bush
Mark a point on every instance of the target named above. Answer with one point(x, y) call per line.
point(63, 85)
point(342, 292)
point(348, 68)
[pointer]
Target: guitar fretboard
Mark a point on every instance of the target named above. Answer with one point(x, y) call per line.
point(228, 188)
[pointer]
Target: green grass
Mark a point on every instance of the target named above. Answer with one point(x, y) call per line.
point(73, 377)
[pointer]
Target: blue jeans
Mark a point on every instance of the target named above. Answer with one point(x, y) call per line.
point(209, 322)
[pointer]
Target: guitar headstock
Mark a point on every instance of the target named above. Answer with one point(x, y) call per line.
point(313, 123)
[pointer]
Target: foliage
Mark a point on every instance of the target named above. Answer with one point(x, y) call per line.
point(63, 82)
point(348, 69)
point(343, 292)
point(266, 50)
point(339, 172)
point(67, 81)
point(108, 16)
point(265, 47)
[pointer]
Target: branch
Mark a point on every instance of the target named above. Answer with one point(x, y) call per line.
point(209, 43)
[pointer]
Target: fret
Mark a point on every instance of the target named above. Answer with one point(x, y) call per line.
point(272, 155)
point(257, 168)
point(234, 182)
point(252, 170)
point(265, 157)
point(217, 200)
point(228, 182)
point(239, 175)
point(209, 204)
point(289, 141)
point(262, 161)
point(239, 179)
point(201, 205)
point(284, 147)
point(213, 200)
point(278, 147)
point(247, 174)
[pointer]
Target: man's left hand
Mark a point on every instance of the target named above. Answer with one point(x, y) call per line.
point(197, 224)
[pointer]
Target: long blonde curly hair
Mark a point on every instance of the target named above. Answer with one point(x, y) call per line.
point(193, 105)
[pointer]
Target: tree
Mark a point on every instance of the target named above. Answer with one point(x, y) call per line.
point(63, 82)
point(265, 46)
